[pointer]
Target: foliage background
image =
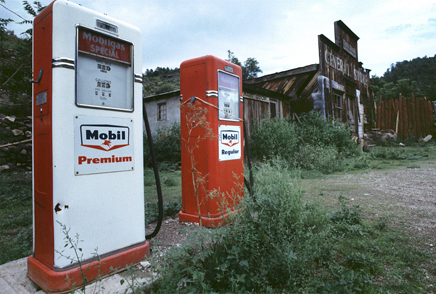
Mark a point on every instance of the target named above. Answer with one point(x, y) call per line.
point(308, 144)
point(417, 76)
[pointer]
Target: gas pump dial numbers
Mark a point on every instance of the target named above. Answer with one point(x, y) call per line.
point(228, 96)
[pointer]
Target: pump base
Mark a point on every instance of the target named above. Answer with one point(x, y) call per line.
point(208, 222)
point(55, 281)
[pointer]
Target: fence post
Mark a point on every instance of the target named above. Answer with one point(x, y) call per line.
point(431, 118)
point(378, 114)
point(406, 120)
point(401, 120)
point(397, 122)
point(414, 116)
point(423, 118)
point(419, 120)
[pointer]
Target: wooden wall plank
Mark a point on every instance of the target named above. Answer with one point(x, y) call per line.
point(431, 119)
point(400, 125)
point(397, 115)
point(413, 112)
point(405, 125)
point(418, 119)
point(410, 122)
point(389, 116)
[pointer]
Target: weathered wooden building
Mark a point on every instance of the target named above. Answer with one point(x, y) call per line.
point(338, 87)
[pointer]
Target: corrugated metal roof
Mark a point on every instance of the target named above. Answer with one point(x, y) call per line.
point(297, 83)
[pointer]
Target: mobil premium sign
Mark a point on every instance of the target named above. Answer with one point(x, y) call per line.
point(103, 145)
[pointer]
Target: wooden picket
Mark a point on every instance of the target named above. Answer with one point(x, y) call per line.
point(409, 117)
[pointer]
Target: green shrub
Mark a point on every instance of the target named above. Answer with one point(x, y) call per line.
point(324, 159)
point(315, 131)
point(166, 145)
point(276, 137)
point(347, 215)
point(311, 144)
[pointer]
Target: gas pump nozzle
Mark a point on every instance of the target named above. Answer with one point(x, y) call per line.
point(39, 77)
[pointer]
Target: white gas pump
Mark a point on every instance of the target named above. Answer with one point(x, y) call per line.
point(87, 146)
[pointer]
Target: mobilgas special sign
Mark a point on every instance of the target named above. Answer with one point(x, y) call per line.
point(104, 46)
point(229, 143)
point(104, 75)
point(102, 144)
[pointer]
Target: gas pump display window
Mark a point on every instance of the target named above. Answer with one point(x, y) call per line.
point(228, 96)
point(104, 72)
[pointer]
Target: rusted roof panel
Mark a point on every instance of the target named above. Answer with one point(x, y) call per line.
point(292, 83)
point(310, 88)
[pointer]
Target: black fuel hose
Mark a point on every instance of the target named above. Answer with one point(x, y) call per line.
point(156, 174)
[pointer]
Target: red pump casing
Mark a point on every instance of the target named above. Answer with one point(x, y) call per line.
point(216, 85)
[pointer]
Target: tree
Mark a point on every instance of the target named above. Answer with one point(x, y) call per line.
point(33, 11)
point(16, 65)
point(160, 80)
point(4, 22)
point(250, 69)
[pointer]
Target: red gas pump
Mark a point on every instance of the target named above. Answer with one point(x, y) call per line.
point(212, 167)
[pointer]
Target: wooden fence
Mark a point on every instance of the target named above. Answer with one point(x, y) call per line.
point(407, 117)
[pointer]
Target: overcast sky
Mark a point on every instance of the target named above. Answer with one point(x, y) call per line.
point(280, 34)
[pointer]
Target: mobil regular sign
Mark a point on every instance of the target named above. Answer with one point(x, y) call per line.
point(229, 144)
point(103, 145)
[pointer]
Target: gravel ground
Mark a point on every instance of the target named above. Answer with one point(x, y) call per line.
point(405, 196)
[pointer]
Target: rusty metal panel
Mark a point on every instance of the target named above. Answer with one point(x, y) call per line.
point(291, 83)
point(311, 87)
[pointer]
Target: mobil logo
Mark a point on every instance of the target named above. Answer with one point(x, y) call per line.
point(104, 137)
point(229, 137)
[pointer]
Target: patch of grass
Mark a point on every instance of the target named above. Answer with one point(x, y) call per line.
point(15, 216)
point(171, 193)
point(171, 185)
point(409, 156)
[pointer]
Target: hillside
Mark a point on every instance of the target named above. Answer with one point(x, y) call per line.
point(15, 73)
point(160, 80)
point(417, 76)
